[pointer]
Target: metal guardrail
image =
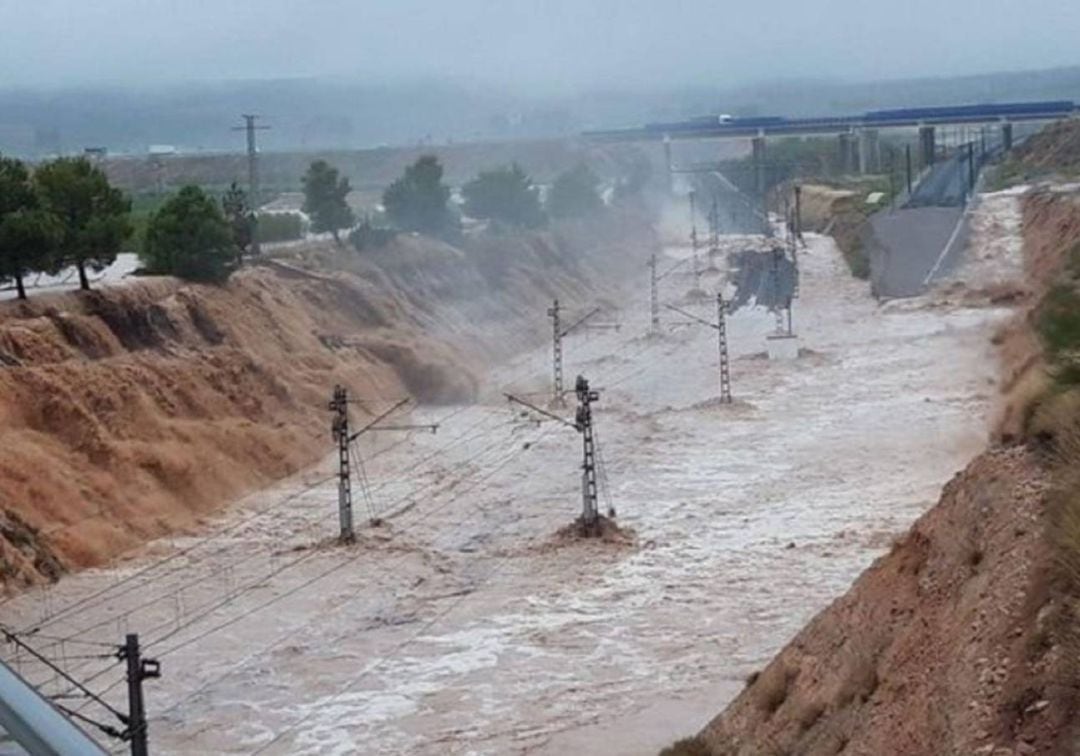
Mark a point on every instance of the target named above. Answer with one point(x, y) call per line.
point(35, 724)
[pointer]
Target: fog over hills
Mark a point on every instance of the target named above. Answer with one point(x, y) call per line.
point(337, 112)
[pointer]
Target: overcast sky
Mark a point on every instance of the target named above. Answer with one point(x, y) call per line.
point(553, 44)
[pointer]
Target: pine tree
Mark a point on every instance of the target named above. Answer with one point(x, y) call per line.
point(324, 199)
point(93, 215)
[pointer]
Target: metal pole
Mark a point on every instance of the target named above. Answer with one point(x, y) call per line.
point(556, 346)
point(340, 406)
point(776, 255)
point(971, 168)
point(798, 212)
point(590, 517)
point(694, 240)
point(725, 365)
point(654, 293)
point(138, 669)
point(253, 181)
point(908, 151)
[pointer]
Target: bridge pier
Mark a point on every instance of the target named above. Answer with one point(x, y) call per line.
point(758, 146)
point(848, 158)
point(869, 151)
point(928, 142)
point(1007, 135)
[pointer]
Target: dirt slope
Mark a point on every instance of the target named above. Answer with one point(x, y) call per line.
point(1055, 149)
point(131, 412)
point(961, 640)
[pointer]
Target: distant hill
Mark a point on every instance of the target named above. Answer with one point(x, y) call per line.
point(318, 114)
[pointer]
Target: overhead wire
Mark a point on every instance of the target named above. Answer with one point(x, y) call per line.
point(291, 633)
point(388, 567)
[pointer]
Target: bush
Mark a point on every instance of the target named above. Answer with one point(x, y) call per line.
point(505, 194)
point(366, 236)
point(574, 194)
point(325, 195)
point(418, 200)
point(279, 227)
point(1058, 323)
point(189, 238)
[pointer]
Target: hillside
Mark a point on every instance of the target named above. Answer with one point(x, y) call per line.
point(136, 411)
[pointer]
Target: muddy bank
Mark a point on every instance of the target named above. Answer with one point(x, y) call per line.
point(959, 640)
point(135, 411)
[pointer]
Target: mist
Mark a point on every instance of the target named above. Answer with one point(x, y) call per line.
point(525, 46)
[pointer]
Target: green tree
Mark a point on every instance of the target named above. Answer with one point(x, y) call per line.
point(240, 218)
point(574, 194)
point(28, 235)
point(505, 194)
point(324, 199)
point(189, 237)
point(93, 215)
point(418, 200)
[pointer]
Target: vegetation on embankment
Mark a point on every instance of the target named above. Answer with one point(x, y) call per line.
point(1050, 408)
point(834, 200)
point(1052, 154)
point(842, 210)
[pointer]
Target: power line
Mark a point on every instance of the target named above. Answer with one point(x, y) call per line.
point(387, 567)
point(179, 589)
point(170, 558)
point(13, 638)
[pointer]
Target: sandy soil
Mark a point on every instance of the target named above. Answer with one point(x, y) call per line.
point(464, 625)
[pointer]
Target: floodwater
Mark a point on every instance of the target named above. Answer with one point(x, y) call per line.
point(463, 624)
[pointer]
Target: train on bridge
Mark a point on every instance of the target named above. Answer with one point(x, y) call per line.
point(743, 126)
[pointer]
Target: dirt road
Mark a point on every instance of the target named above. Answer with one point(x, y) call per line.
point(464, 625)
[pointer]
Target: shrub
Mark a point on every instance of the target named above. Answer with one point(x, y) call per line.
point(325, 195)
point(189, 238)
point(505, 194)
point(279, 227)
point(418, 200)
point(1058, 324)
point(574, 194)
point(367, 236)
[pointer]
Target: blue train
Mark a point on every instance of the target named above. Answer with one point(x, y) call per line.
point(962, 112)
point(709, 123)
point(720, 124)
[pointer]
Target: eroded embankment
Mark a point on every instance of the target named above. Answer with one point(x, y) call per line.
point(962, 639)
point(131, 412)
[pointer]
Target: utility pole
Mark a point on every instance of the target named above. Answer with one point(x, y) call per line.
point(722, 343)
point(694, 241)
point(654, 293)
point(339, 405)
point(253, 175)
point(725, 363)
point(777, 255)
point(798, 212)
point(971, 167)
point(558, 332)
point(714, 227)
point(907, 150)
point(583, 424)
point(556, 354)
point(590, 513)
point(138, 669)
point(654, 288)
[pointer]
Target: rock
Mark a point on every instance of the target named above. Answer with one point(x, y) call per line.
point(1036, 707)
